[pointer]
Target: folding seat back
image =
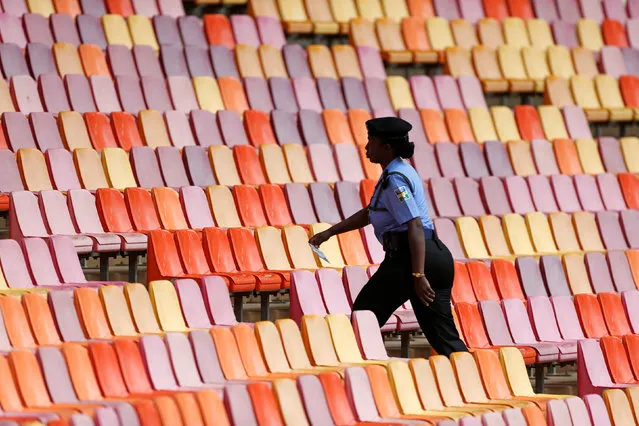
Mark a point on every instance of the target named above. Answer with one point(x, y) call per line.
point(117, 310)
point(33, 168)
point(589, 237)
point(167, 306)
point(90, 310)
point(196, 207)
point(24, 91)
point(153, 129)
point(87, 162)
point(611, 232)
point(519, 194)
point(62, 304)
point(172, 166)
point(611, 306)
point(169, 209)
point(141, 209)
point(223, 162)
point(118, 169)
point(590, 316)
point(178, 127)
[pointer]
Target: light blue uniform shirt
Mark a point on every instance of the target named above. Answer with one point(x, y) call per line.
point(400, 201)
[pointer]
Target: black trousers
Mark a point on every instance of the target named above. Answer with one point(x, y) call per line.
point(392, 285)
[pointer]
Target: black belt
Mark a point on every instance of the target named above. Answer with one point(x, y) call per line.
point(395, 241)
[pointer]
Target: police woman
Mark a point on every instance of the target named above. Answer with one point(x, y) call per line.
point(417, 266)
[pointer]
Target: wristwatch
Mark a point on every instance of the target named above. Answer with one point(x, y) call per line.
point(418, 275)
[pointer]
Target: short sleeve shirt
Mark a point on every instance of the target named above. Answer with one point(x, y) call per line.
point(401, 200)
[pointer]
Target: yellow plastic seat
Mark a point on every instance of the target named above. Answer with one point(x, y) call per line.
point(400, 93)
point(471, 238)
point(576, 273)
point(396, 9)
point(540, 34)
point(33, 169)
point(505, 124)
point(223, 206)
point(362, 33)
point(330, 248)
point(610, 97)
point(391, 41)
point(142, 310)
point(513, 69)
point(296, 241)
point(294, 16)
point(89, 167)
point(588, 151)
point(319, 12)
point(619, 409)
point(439, 33)
point(552, 122)
point(67, 59)
point(482, 124)
point(370, 9)
point(343, 12)
point(560, 62)
point(117, 311)
point(536, 66)
point(317, 339)
point(153, 128)
point(274, 164)
point(346, 61)
point(272, 61)
point(515, 370)
point(73, 130)
point(272, 347)
point(464, 33)
point(540, 233)
point(248, 62)
point(6, 102)
point(344, 340)
point(583, 91)
point(297, 163)
point(458, 62)
point(494, 236)
point(557, 92)
point(488, 70)
point(630, 150)
point(142, 32)
point(521, 158)
point(224, 165)
point(167, 306)
point(321, 61)
point(290, 402)
point(515, 32)
point(116, 30)
point(587, 231)
point(263, 8)
point(564, 232)
point(208, 94)
point(293, 344)
point(589, 34)
point(517, 235)
point(490, 33)
point(42, 7)
point(118, 168)
point(269, 240)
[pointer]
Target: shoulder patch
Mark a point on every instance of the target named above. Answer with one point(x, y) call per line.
point(402, 194)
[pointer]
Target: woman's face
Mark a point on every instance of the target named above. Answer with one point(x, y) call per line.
point(376, 151)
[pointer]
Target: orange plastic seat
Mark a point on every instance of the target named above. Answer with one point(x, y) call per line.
point(93, 60)
point(16, 323)
point(218, 31)
point(353, 249)
point(459, 126)
point(217, 248)
point(617, 360)
point(126, 130)
point(264, 404)
point(590, 316)
point(488, 70)
point(249, 206)
point(528, 122)
point(346, 61)
point(505, 276)
point(248, 165)
point(141, 209)
point(163, 257)
point(614, 33)
point(567, 158)
point(612, 306)
point(357, 119)
point(192, 253)
point(100, 130)
point(416, 39)
point(258, 127)
point(91, 313)
point(249, 260)
point(421, 8)
point(630, 188)
point(233, 94)
point(41, 320)
point(482, 281)
point(169, 208)
point(435, 126)
point(462, 287)
point(629, 87)
point(337, 127)
point(469, 319)
point(275, 205)
point(496, 9)
point(69, 7)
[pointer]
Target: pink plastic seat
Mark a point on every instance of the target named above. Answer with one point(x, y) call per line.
point(448, 92)
point(444, 199)
point(285, 127)
point(271, 31)
point(498, 159)
point(62, 169)
point(473, 160)
point(306, 298)
point(424, 93)
point(544, 157)
point(611, 155)
point(494, 194)
point(223, 62)
point(283, 94)
point(45, 131)
point(193, 307)
point(130, 93)
point(519, 195)
point(471, 92)
point(611, 192)
point(36, 29)
point(370, 61)
point(542, 194)
point(296, 61)
point(330, 93)
point(324, 202)
point(191, 31)
point(258, 95)
point(576, 122)
point(91, 31)
point(156, 93)
point(620, 269)
point(79, 92)
point(610, 230)
point(17, 131)
point(554, 275)
point(593, 375)
point(597, 410)
point(588, 192)
point(449, 160)
point(567, 318)
point(146, 167)
point(85, 215)
point(66, 316)
point(173, 62)
point(53, 205)
point(306, 93)
point(182, 93)
point(205, 128)
point(355, 94)
point(347, 194)
point(196, 207)
point(300, 204)
point(238, 405)
point(40, 59)
point(629, 221)
point(448, 234)
point(530, 276)
point(245, 30)
point(104, 94)
point(179, 129)
point(64, 29)
point(172, 166)
point(166, 30)
point(12, 60)
point(565, 193)
point(425, 162)
point(198, 61)
point(218, 302)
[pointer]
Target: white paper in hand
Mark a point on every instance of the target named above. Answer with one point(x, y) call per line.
point(319, 253)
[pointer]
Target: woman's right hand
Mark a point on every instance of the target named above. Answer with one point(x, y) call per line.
point(317, 239)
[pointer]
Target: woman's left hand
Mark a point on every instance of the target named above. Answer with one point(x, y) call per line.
point(424, 291)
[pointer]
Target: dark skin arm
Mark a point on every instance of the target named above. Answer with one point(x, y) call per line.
point(356, 221)
point(417, 245)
